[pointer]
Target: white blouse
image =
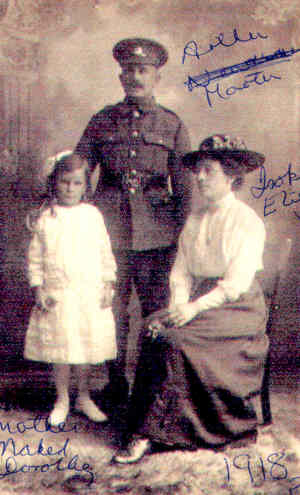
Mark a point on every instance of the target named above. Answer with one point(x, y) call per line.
point(226, 242)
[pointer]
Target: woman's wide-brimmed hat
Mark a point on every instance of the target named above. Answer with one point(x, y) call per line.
point(221, 145)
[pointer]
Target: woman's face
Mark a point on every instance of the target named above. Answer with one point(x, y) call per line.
point(213, 184)
point(70, 187)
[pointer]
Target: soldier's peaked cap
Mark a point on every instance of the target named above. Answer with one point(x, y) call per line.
point(140, 51)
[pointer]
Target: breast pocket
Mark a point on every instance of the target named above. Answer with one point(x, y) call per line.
point(156, 151)
point(163, 139)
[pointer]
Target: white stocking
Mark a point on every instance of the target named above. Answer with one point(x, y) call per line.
point(84, 403)
point(61, 374)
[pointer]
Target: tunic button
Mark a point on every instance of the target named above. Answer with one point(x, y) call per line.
point(136, 114)
point(132, 153)
point(135, 134)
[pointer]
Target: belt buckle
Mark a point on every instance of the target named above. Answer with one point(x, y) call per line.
point(133, 181)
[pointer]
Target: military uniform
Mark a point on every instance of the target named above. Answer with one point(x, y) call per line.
point(142, 191)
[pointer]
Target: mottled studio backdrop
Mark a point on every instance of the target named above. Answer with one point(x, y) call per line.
point(57, 69)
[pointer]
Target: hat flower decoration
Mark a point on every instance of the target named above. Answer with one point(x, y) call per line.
point(220, 145)
point(223, 142)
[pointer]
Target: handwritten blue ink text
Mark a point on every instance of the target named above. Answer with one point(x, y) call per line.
point(259, 470)
point(203, 81)
point(38, 424)
point(191, 48)
point(256, 78)
point(286, 198)
point(13, 465)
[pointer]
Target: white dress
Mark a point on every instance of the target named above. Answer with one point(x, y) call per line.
point(70, 257)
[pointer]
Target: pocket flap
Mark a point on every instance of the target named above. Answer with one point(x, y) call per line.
point(159, 139)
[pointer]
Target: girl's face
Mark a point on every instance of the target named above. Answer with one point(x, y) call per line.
point(213, 184)
point(70, 187)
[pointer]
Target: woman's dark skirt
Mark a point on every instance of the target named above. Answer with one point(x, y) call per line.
point(194, 384)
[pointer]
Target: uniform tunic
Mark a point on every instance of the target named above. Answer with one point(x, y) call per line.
point(143, 194)
point(142, 191)
point(197, 380)
point(70, 257)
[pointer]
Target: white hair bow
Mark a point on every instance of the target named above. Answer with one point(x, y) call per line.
point(51, 161)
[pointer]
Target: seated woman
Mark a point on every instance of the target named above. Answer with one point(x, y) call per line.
point(202, 359)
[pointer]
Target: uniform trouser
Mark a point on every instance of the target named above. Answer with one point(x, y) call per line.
point(149, 271)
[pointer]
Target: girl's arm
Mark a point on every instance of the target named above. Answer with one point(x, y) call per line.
point(35, 270)
point(36, 273)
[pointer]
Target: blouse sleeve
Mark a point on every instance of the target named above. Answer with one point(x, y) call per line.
point(243, 247)
point(180, 277)
point(35, 261)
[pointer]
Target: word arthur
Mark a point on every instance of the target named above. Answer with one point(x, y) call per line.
point(191, 48)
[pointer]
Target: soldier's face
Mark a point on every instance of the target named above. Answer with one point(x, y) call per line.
point(139, 80)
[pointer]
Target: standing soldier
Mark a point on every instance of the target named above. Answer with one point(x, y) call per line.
point(142, 190)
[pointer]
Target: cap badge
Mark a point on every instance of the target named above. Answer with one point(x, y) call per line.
point(139, 51)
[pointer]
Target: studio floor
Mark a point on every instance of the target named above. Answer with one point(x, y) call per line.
point(29, 454)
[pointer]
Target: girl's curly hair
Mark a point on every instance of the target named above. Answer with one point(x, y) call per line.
point(68, 163)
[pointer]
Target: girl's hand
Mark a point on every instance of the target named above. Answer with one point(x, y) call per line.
point(43, 301)
point(107, 295)
point(181, 314)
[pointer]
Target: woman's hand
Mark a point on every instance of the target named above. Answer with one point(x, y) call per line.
point(107, 295)
point(43, 301)
point(181, 314)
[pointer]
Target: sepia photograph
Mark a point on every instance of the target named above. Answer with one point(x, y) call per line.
point(149, 247)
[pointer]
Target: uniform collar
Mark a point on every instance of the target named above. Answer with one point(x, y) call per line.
point(144, 105)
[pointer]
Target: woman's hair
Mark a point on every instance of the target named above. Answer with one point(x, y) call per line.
point(235, 169)
point(231, 167)
point(66, 164)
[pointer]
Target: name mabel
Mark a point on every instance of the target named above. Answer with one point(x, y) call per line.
point(10, 453)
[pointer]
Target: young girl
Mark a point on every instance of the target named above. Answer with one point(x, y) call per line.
point(72, 270)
